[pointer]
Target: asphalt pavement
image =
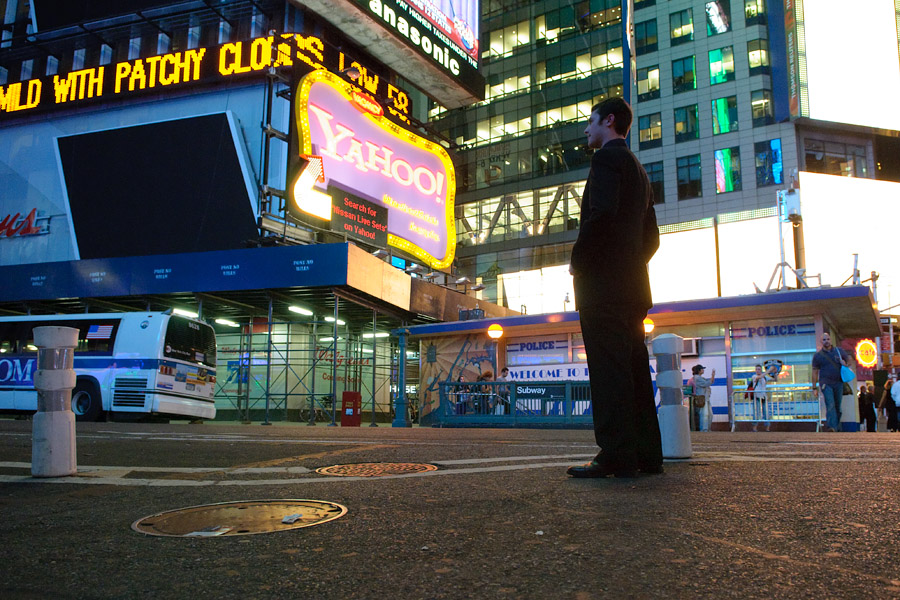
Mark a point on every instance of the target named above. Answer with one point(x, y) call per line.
point(749, 515)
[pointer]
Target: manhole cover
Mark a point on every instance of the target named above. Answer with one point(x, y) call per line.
point(375, 469)
point(239, 518)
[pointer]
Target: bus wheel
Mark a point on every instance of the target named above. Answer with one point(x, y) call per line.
point(86, 402)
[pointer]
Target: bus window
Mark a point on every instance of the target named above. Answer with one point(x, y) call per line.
point(94, 336)
point(190, 341)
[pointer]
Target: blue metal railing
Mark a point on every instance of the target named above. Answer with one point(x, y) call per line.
point(514, 403)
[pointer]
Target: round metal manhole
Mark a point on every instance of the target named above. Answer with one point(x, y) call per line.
point(375, 469)
point(239, 518)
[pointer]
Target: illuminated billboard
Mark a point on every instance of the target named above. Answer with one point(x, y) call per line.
point(367, 160)
point(841, 216)
point(834, 55)
point(435, 42)
point(181, 71)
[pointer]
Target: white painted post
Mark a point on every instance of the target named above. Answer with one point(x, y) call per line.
point(53, 428)
point(674, 417)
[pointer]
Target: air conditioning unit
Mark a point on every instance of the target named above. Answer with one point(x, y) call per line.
point(691, 347)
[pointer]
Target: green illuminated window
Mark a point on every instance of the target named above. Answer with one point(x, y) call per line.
point(728, 170)
point(724, 114)
point(683, 75)
point(721, 65)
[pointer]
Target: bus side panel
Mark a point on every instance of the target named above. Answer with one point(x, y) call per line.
point(161, 403)
point(25, 400)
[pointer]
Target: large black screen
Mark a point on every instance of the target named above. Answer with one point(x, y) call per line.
point(163, 188)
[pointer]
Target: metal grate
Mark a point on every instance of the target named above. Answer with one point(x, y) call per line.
point(375, 469)
point(130, 392)
point(239, 518)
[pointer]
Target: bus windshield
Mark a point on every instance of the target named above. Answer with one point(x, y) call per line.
point(188, 341)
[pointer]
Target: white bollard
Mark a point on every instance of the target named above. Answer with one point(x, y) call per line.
point(674, 417)
point(53, 428)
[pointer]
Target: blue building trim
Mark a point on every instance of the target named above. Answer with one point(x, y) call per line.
point(804, 295)
point(321, 265)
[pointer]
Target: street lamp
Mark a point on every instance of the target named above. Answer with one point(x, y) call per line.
point(649, 325)
point(495, 332)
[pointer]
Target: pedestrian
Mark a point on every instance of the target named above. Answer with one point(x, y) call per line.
point(502, 407)
point(867, 408)
point(484, 393)
point(462, 395)
point(760, 396)
point(826, 374)
point(617, 237)
point(888, 405)
point(701, 411)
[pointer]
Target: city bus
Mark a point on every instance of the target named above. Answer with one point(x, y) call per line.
point(126, 365)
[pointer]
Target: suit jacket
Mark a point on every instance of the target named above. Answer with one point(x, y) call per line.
point(618, 234)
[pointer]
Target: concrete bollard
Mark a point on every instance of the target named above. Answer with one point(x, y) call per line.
point(674, 417)
point(53, 429)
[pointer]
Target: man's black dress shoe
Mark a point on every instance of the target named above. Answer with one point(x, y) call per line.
point(594, 469)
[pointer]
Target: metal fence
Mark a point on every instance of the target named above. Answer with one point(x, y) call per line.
point(515, 403)
point(781, 403)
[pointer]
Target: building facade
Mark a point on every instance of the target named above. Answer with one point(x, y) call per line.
point(726, 116)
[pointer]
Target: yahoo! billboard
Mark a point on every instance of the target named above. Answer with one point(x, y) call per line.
point(361, 151)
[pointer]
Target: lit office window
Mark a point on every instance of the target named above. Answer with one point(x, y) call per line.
point(650, 131)
point(721, 65)
point(681, 27)
point(755, 12)
point(689, 182)
point(648, 83)
point(687, 123)
point(645, 37)
point(724, 114)
point(655, 175)
point(835, 158)
point(769, 165)
point(761, 107)
point(594, 14)
point(683, 75)
point(502, 42)
point(718, 17)
point(728, 170)
point(758, 55)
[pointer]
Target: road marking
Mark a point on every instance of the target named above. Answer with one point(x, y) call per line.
point(96, 476)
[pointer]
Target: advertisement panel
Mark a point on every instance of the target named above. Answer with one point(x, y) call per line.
point(175, 72)
point(444, 32)
point(352, 146)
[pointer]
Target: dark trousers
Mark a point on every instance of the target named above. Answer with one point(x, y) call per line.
point(625, 423)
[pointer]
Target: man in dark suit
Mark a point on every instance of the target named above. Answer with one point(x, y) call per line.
point(618, 236)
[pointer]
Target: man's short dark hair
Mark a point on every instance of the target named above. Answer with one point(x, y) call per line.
point(620, 109)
